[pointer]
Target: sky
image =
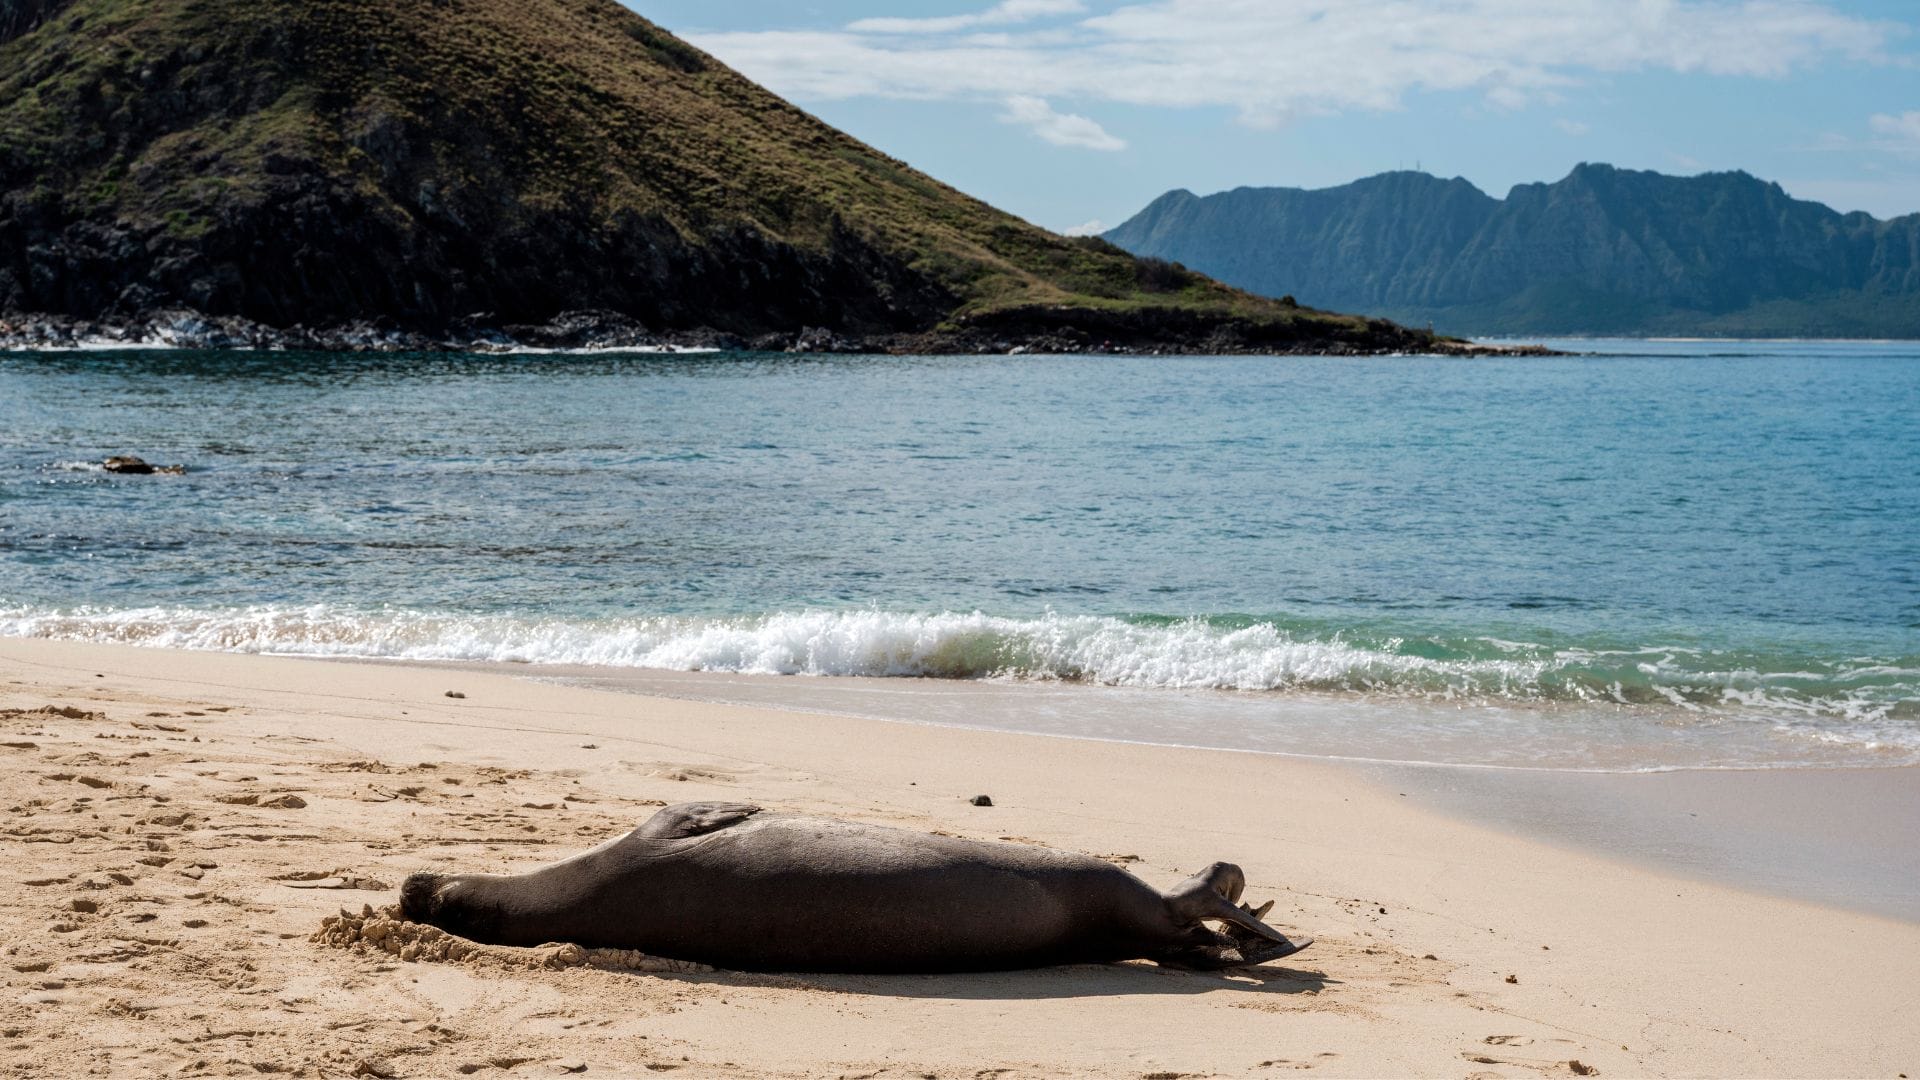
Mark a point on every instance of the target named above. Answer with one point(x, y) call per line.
point(1076, 113)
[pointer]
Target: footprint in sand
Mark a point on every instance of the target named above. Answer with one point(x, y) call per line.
point(335, 879)
point(1539, 1065)
point(287, 801)
point(666, 770)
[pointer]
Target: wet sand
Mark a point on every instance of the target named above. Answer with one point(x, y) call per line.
point(1843, 837)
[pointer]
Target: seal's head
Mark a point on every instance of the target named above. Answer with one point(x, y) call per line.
point(420, 898)
point(463, 906)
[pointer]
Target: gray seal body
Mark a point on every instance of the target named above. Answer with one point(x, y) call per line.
point(728, 885)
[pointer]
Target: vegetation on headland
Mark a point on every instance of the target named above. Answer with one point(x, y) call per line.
point(482, 163)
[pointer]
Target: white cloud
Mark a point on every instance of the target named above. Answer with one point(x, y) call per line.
point(1060, 129)
point(1003, 13)
point(1088, 228)
point(1898, 133)
point(1889, 133)
point(1274, 60)
point(1509, 98)
point(1575, 128)
point(1881, 198)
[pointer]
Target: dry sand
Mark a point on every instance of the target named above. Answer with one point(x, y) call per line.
point(177, 833)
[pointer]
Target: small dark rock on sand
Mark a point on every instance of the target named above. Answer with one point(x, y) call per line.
point(981, 800)
point(456, 694)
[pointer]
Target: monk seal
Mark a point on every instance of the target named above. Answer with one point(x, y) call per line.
point(731, 885)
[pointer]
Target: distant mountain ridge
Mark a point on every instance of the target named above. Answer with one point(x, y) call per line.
point(1604, 250)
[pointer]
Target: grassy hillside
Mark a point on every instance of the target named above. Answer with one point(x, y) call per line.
point(424, 160)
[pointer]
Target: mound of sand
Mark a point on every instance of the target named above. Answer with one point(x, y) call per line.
point(384, 930)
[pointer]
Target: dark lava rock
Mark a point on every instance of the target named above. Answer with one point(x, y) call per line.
point(981, 800)
point(817, 339)
point(128, 465)
point(1054, 332)
point(585, 330)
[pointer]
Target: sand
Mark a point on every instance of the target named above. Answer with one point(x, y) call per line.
point(181, 827)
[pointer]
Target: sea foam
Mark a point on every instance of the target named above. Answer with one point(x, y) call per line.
point(1189, 654)
point(1186, 654)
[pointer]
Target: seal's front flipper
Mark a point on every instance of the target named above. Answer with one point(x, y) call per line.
point(683, 820)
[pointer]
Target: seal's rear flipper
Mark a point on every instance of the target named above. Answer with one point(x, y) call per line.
point(1260, 950)
point(1232, 951)
point(1210, 895)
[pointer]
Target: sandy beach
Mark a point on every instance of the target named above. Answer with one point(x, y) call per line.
point(179, 825)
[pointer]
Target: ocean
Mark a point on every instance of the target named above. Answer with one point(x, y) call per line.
point(1652, 556)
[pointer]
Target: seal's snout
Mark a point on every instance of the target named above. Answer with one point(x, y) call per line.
point(418, 896)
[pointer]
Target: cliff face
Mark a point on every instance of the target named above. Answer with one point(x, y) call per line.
point(1604, 250)
point(426, 163)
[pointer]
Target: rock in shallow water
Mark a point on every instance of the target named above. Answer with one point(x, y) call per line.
point(129, 465)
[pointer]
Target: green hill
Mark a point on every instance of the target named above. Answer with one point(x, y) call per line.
point(430, 163)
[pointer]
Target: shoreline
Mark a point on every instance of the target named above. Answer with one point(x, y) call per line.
point(1014, 332)
point(1444, 947)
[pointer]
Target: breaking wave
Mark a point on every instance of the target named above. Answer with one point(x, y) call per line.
point(1225, 654)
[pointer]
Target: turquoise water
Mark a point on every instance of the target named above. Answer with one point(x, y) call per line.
point(1714, 547)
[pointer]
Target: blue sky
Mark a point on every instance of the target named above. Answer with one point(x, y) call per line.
point(1070, 112)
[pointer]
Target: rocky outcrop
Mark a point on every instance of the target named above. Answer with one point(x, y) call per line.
point(1604, 250)
point(1039, 331)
